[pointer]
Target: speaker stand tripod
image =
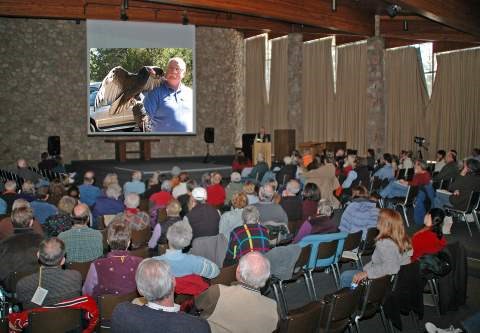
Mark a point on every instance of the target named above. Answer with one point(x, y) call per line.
point(208, 158)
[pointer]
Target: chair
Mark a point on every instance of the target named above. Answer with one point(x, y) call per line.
point(105, 240)
point(299, 269)
point(472, 208)
point(402, 173)
point(227, 275)
point(374, 296)
point(11, 281)
point(409, 174)
point(141, 252)
point(81, 267)
point(446, 184)
point(319, 258)
point(352, 242)
point(338, 310)
point(55, 320)
point(368, 245)
point(437, 184)
point(141, 237)
point(304, 319)
point(3, 325)
point(106, 305)
point(406, 202)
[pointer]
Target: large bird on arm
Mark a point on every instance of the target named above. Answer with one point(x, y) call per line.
point(123, 89)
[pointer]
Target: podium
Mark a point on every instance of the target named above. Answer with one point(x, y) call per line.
point(265, 148)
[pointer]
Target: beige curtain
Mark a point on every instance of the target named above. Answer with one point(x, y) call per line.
point(317, 94)
point(453, 114)
point(278, 102)
point(406, 99)
point(351, 97)
point(256, 92)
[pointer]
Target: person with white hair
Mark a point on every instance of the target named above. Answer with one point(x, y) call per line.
point(24, 172)
point(9, 194)
point(179, 236)
point(132, 216)
point(233, 187)
point(6, 226)
point(162, 198)
point(170, 105)
point(321, 223)
point(136, 185)
point(241, 308)
point(215, 192)
point(269, 210)
point(287, 171)
point(203, 218)
point(107, 204)
point(156, 283)
point(291, 200)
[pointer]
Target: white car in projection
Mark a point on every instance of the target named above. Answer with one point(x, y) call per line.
point(100, 120)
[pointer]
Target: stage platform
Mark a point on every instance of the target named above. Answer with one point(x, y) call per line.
point(193, 165)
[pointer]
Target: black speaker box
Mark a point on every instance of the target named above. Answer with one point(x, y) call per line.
point(54, 145)
point(209, 135)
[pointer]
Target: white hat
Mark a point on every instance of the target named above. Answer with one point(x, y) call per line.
point(176, 171)
point(199, 193)
point(235, 177)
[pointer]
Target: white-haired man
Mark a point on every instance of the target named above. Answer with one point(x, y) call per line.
point(170, 105)
point(269, 210)
point(136, 185)
point(241, 308)
point(291, 201)
point(10, 194)
point(108, 204)
point(156, 283)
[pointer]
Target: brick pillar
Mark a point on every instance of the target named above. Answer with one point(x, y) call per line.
point(376, 94)
point(295, 60)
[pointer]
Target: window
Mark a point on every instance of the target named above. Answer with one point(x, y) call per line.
point(429, 64)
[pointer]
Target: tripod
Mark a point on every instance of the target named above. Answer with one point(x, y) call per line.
point(208, 158)
point(420, 146)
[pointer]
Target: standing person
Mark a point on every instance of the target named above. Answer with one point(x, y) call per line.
point(262, 136)
point(170, 105)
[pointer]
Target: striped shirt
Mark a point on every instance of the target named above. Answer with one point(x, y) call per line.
point(246, 238)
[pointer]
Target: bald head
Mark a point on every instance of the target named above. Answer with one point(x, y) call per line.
point(81, 214)
point(253, 270)
point(21, 163)
point(89, 177)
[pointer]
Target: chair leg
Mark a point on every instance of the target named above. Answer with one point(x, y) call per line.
point(334, 272)
point(468, 225)
point(475, 217)
point(312, 285)
point(283, 312)
point(405, 214)
point(307, 285)
point(284, 299)
point(357, 324)
point(384, 319)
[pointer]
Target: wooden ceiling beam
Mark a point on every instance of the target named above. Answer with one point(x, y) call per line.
point(463, 15)
point(314, 13)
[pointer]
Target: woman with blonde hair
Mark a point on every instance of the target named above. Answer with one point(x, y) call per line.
point(393, 249)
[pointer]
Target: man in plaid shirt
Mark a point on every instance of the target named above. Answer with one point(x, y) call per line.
point(249, 237)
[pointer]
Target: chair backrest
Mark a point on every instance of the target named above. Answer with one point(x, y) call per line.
point(107, 303)
point(305, 319)
point(227, 275)
point(327, 250)
point(302, 261)
point(401, 173)
point(375, 293)
point(81, 267)
point(437, 184)
point(55, 320)
point(369, 243)
point(409, 173)
point(141, 252)
point(446, 184)
point(411, 195)
point(474, 202)
point(317, 239)
point(339, 308)
point(11, 281)
point(293, 226)
point(105, 239)
point(353, 241)
point(375, 184)
point(141, 237)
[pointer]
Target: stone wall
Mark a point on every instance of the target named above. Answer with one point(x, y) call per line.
point(295, 61)
point(44, 80)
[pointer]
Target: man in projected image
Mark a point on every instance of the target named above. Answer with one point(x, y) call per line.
point(170, 105)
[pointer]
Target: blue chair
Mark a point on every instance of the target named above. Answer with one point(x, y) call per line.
point(325, 262)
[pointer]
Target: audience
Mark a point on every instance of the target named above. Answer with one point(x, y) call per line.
point(62, 221)
point(110, 179)
point(311, 196)
point(88, 191)
point(249, 237)
point(287, 171)
point(107, 204)
point(181, 188)
point(9, 194)
point(233, 187)
point(6, 225)
point(134, 217)
point(114, 274)
point(156, 283)
point(233, 218)
point(392, 250)
point(56, 190)
point(386, 170)
point(61, 284)
point(291, 201)
point(179, 236)
point(256, 174)
point(136, 185)
point(241, 307)
point(449, 169)
point(24, 172)
point(320, 223)
point(41, 208)
point(269, 210)
point(250, 191)
point(216, 192)
point(159, 235)
point(28, 191)
point(405, 160)
point(430, 239)
point(18, 251)
point(82, 243)
point(360, 214)
point(325, 179)
point(162, 198)
point(440, 161)
point(202, 217)
point(399, 188)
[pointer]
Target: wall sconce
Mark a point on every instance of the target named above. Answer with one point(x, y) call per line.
point(185, 20)
point(123, 10)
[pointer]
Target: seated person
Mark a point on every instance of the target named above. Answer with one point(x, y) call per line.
point(440, 161)
point(6, 225)
point(88, 191)
point(220, 304)
point(28, 191)
point(61, 284)
point(311, 196)
point(269, 210)
point(249, 237)
point(9, 194)
point(156, 283)
point(63, 220)
point(114, 274)
point(405, 160)
point(256, 174)
point(108, 204)
point(291, 202)
point(41, 208)
point(216, 192)
point(234, 187)
point(287, 171)
point(136, 185)
point(82, 243)
point(392, 250)
point(449, 169)
point(386, 170)
point(399, 188)
point(203, 218)
point(162, 198)
point(179, 236)
point(430, 239)
point(360, 214)
point(462, 187)
point(251, 192)
point(110, 178)
point(159, 235)
point(134, 217)
point(321, 223)
point(240, 162)
point(233, 218)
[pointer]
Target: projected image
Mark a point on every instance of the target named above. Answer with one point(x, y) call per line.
point(141, 90)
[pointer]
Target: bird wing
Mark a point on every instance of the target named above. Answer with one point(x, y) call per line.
point(154, 80)
point(112, 86)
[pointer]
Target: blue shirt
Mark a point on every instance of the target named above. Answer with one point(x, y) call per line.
point(3, 206)
point(385, 172)
point(42, 210)
point(170, 110)
point(89, 194)
point(134, 187)
point(185, 264)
